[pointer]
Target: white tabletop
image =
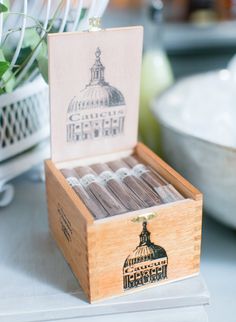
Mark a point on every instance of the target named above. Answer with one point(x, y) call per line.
point(218, 266)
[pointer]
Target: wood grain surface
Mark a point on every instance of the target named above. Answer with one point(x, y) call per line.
point(97, 249)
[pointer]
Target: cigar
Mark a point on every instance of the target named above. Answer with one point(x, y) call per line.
point(89, 180)
point(118, 188)
point(164, 189)
point(139, 188)
point(95, 208)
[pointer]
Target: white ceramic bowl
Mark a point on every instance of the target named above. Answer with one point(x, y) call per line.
point(198, 132)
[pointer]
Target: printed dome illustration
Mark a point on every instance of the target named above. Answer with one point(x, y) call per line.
point(146, 249)
point(98, 110)
point(98, 93)
point(146, 264)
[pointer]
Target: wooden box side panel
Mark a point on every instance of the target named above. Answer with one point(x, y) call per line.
point(113, 244)
point(167, 172)
point(67, 224)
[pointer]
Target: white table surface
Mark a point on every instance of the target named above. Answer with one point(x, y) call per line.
point(218, 256)
point(218, 266)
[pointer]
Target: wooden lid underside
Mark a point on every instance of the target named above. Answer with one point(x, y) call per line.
point(94, 82)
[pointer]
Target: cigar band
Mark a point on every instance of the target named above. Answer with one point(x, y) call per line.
point(73, 181)
point(139, 169)
point(88, 179)
point(105, 176)
point(123, 173)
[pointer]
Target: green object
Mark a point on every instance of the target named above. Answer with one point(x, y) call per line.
point(6, 74)
point(33, 40)
point(3, 8)
point(155, 78)
point(4, 65)
point(43, 67)
point(34, 45)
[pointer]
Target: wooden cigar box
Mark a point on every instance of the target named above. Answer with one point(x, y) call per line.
point(94, 98)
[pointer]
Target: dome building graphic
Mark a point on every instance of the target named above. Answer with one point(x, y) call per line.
point(146, 264)
point(99, 109)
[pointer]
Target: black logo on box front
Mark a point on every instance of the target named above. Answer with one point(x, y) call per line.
point(146, 264)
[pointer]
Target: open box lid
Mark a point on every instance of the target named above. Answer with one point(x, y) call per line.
point(94, 82)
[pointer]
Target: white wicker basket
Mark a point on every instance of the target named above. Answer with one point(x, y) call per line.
point(23, 118)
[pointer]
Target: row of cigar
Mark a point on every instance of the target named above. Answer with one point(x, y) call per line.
point(120, 186)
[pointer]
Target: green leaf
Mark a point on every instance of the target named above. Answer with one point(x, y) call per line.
point(43, 67)
point(43, 49)
point(3, 8)
point(24, 53)
point(4, 65)
point(42, 60)
point(31, 38)
point(10, 79)
point(7, 77)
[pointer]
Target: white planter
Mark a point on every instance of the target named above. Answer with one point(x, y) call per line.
point(24, 118)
